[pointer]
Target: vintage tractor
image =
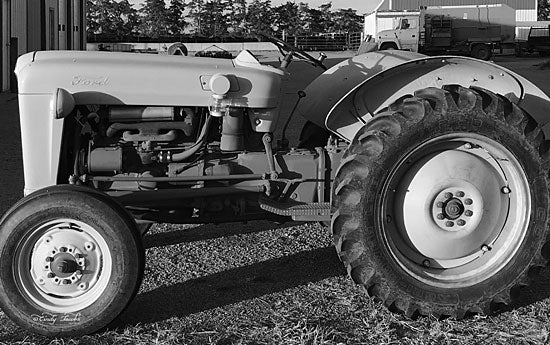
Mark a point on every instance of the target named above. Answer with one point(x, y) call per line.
point(432, 171)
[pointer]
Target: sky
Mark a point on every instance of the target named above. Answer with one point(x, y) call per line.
point(362, 6)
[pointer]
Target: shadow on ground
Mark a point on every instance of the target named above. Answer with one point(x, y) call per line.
point(207, 232)
point(233, 286)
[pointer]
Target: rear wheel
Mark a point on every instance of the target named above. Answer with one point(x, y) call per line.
point(482, 52)
point(70, 261)
point(442, 203)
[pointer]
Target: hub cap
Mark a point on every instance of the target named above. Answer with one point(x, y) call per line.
point(455, 209)
point(63, 265)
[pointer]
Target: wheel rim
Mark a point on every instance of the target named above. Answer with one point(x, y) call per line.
point(63, 265)
point(455, 210)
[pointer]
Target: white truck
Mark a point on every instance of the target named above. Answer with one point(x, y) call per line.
point(462, 30)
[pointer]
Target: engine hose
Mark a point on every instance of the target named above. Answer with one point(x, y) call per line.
point(178, 157)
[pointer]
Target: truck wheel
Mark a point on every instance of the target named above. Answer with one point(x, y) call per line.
point(441, 203)
point(482, 52)
point(388, 46)
point(71, 260)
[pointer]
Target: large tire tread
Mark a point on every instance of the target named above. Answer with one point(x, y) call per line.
point(368, 144)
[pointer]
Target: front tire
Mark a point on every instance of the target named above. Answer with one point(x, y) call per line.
point(441, 203)
point(71, 260)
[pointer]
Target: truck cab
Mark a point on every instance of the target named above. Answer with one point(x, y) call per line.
point(404, 36)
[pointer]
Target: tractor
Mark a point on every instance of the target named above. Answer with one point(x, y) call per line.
point(431, 171)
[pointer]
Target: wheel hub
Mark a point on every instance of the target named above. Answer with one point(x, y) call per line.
point(458, 208)
point(63, 265)
point(453, 209)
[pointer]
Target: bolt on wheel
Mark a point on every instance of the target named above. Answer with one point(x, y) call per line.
point(441, 203)
point(63, 265)
point(71, 260)
point(449, 204)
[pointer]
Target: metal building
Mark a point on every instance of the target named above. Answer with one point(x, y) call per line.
point(29, 25)
point(526, 10)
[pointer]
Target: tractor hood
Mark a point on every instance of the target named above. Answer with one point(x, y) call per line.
point(146, 79)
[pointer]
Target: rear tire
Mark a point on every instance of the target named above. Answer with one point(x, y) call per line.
point(482, 52)
point(441, 203)
point(71, 260)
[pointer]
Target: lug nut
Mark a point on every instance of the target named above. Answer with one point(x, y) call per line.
point(449, 224)
point(460, 194)
point(51, 275)
point(485, 248)
point(448, 195)
point(66, 281)
point(89, 246)
point(505, 190)
point(468, 201)
point(439, 204)
point(49, 259)
point(78, 256)
point(468, 213)
point(426, 263)
point(440, 216)
point(62, 249)
point(460, 222)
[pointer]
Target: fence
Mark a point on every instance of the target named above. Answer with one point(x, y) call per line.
point(326, 42)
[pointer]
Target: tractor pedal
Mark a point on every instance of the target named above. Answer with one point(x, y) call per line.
point(299, 211)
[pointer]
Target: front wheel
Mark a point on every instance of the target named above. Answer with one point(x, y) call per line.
point(70, 261)
point(442, 203)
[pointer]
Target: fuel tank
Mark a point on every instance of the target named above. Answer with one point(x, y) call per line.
point(146, 79)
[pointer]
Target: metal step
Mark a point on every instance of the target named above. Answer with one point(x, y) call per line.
point(300, 211)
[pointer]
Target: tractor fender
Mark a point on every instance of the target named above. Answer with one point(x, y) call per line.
point(383, 86)
point(334, 84)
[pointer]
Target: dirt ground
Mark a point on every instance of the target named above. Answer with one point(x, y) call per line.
point(206, 280)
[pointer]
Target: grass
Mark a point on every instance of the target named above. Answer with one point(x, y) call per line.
point(292, 290)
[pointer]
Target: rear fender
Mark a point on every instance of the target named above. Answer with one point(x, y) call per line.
point(379, 90)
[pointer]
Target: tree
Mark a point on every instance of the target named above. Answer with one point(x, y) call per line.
point(286, 18)
point(236, 17)
point(259, 17)
point(154, 16)
point(112, 18)
point(214, 20)
point(543, 10)
point(176, 18)
point(196, 14)
point(313, 21)
point(326, 20)
point(347, 20)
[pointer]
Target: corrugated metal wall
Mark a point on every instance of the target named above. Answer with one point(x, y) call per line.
point(415, 4)
point(19, 24)
point(34, 33)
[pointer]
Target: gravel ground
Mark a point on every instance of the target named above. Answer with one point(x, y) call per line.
point(264, 283)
